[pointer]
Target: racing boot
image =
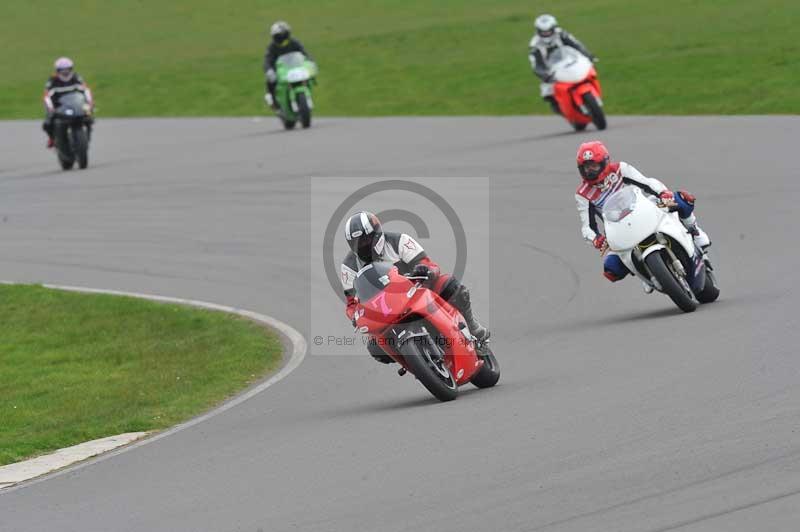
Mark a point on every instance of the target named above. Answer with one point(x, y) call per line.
point(269, 99)
point(700, 237)
point(464, 305)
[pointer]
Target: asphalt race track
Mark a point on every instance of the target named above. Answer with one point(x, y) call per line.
point(615, 411)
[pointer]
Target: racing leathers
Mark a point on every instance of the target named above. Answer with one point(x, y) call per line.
point(538, 56)
point(410, 259)
point(591, 198)
point(54, 89)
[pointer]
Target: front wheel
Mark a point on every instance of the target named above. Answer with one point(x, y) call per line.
point(303, 110)
point(489, 374)
point(80, 146)
point(672, 283)
point(595, 110)
point(429, 368)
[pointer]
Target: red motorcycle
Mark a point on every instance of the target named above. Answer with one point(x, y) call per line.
point(576, 88)
point(421, 331)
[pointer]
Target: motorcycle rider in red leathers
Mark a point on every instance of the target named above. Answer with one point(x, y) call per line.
point(600, 178)
point(369, 243)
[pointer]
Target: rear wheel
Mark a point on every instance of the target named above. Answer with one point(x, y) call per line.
point(66, 163)
point(595, 110)
point(578, 127)
point(489, 374)
point(303, 110)
point(672, 283)
point(80, 146)
point(428, 366)
point(710, 291)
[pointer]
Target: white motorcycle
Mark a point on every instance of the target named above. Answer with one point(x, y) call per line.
point(654, 245)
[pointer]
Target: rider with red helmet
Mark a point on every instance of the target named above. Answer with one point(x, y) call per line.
point(369, 243)
point(600, 178)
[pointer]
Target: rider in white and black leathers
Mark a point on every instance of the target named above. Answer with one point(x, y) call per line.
point(548, 37)
point(368, 243)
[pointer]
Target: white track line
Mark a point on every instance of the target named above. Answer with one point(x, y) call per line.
point(298, 353)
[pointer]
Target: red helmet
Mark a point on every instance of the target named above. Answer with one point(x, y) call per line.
point(593, 159)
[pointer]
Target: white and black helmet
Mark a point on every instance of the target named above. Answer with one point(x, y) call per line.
point(546, 26)
point(280, 31)
point(364, 236)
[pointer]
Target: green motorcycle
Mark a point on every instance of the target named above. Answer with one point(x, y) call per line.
point(296, 75)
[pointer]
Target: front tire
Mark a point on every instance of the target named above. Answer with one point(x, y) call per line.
point(670, 284)
point(80, 146)
point(303, 110)
point(595, 110)
point(420, 359)
point(489, 374)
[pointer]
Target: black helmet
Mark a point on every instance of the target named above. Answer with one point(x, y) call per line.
point(280, 31)
point(364, 236)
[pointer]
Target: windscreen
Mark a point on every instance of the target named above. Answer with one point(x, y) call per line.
point(619, 204)
point(72, 99)
point(372, 279)
point(560, 54)
point(292, 59)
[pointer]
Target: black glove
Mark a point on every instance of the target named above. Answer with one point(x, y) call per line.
point(421, 270)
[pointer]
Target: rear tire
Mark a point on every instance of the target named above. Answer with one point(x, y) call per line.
point(303, 110)
point(578, 127)
point(710, 291)
point(489, 374)
point(670, 285)
point(80, 146)
point(418, 358)
point(595, 110)
point(66, 164)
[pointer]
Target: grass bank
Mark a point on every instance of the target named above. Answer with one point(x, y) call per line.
point(403, 57)
point(75, 367)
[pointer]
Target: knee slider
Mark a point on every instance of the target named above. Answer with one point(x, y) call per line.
point(614, 269)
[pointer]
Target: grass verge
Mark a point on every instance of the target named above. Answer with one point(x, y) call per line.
point(404, 57)
point(76, 367)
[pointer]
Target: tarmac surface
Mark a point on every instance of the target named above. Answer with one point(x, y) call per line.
point(615, 411)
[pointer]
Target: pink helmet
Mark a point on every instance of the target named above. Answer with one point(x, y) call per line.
point(64, 66)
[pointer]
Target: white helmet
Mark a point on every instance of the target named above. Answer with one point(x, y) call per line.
point(280, 31)
point(546, 26)
point(64, 66)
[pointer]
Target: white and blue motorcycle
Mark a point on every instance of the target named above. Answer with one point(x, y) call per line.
point(651, 241)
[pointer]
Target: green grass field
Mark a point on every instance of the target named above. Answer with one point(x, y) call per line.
point(410, 57)
point(75, 367)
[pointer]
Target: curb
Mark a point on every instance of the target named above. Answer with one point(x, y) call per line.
point(299, 348)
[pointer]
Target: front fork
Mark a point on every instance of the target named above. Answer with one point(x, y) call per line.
point(293, 92)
